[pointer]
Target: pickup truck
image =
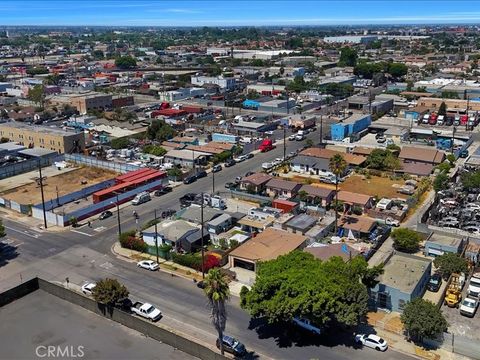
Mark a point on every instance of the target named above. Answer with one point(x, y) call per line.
point(146, 310)
point(474, 286)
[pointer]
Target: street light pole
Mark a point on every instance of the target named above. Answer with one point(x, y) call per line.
point(213, 182)
point(321, 129)
point(43, 197)
point(118, 219)
point(284, 142)
point(156, 236)
point(201, 240)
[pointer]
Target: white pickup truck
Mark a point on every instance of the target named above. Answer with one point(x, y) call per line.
point(474, 286)
point(146, 310)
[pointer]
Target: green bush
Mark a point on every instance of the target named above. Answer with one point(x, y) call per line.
point(189, 260)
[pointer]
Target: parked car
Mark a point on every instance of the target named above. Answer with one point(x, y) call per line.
point(469, 306)
point(216, 168)
point(87, 288)
point(392, 222)
point(381, 140)
point(434, 283)
point(229, 185)
point(229, 163)
point(148, 264)
point(291, 137)
point(372, 341)
point(189, 179)
point(146, 310)
point(472, 229)
point(105, 215)
point(464, 154)
point(167, 213)
point(249, 156)
point(201, 174)
point(141, 198)
point(232, 345)
point(163, 191)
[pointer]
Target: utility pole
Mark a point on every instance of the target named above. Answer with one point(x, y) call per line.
point(156, 236)
point(118, 219)
point(453, 138)
point(201, 239)
point(213, 182)
point(41, 190)
point(321, 129)
point(284, 142)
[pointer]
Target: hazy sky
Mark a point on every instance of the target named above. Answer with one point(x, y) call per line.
point(228, 12)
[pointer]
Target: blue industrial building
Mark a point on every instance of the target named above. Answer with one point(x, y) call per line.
point(250, 104)
point(405, 278)
point(437, 245)
point(350, 126)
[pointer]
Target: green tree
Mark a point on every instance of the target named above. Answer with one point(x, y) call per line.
point(160, 130)
point(2, 229)
point(409, 85)
point(154, 150)
point(98, 54)
point(174, 172)
point(37, 95)
point(337, 166)
point(109, 292)
point(422, 319)
point(297, 85)
point(298, 285)
point(441, 182)
point(348, 57)
point(451, 159)
point(448, 94)
point(471, 180)
point(397, 70)
point(450, 263)
point(120, 143)
point(303, 195)
point(309, 142)
point(217, 292)
point(125, 62)
point(381, 159)
point(442, 110)
point(406, 240)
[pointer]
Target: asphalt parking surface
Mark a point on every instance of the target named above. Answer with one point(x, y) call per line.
point(32, 323)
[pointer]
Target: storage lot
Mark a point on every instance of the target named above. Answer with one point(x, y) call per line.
point(65, 183)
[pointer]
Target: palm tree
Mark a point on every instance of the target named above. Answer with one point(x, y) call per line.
point(217, 291)
point(337, 165)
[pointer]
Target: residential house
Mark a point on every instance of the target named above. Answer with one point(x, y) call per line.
point(282, 188)
point(359, 226)
point(352, 160)
point(220, 224)
point(318, 195)
point(351, 199)
point(404, 279)
point(186, 158)
point(256, 182)
point(410, 154)
point(300, 224)
point(326, 251)
point(267, 245)
point(310, 165)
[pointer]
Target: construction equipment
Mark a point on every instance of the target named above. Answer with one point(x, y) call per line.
point(453, 295)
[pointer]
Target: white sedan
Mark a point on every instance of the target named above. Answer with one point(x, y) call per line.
point(148, 264)
point(87, 288)
point(373, 341)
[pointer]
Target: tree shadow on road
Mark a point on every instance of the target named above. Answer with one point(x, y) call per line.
point(287, 335)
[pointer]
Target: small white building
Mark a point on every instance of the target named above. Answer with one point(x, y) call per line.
point(221, 81)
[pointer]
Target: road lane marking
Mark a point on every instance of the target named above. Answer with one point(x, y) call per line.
point(24, 232)
point(81, 232)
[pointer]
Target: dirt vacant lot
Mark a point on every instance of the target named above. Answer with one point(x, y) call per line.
point(63, 183)
point(375, 186)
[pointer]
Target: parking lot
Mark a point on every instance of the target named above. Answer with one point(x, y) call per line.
point(462, 325)
point(39, 320)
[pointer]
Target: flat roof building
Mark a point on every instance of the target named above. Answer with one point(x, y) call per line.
point(84, 102)
point(54, 139)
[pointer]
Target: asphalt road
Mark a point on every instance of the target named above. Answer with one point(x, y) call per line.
point(84, 254)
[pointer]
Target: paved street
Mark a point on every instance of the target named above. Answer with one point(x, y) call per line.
point(84, 254)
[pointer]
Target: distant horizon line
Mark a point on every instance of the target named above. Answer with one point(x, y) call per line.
point(242, 26)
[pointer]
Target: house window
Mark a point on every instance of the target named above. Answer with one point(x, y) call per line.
point(382, 300)
point(401, 304)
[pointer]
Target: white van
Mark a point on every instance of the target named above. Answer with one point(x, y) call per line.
point(425, 119)
point(141, 198)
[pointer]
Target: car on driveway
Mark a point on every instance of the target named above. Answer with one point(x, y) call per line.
point(372, 341)
point(87, 288)
point(434, 283)
point(392, 222)
point(148, 264)
point(105, 215)
point(232, 345)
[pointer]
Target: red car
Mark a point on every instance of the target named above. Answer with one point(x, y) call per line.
point(433, 119)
